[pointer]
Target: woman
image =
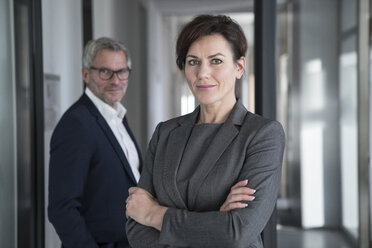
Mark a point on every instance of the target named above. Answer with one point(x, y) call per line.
point(192, 191)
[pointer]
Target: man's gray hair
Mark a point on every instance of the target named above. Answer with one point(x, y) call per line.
point(94, 46)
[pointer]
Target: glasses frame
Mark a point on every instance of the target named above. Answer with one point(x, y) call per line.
point(112, 72)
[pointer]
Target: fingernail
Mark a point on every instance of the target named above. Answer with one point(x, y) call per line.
point(253, 197)
point(246, 205)
point(254, 191)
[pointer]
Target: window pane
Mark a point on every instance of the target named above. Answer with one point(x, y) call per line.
point(348, 117)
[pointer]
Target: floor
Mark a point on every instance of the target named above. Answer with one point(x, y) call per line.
point(290, 237)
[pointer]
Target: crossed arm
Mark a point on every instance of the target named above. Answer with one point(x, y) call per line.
point(145, 209)
point(234, 225)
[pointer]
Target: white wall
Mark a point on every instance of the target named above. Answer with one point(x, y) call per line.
point(62, 49)
point(158, 100)
point(62, 46)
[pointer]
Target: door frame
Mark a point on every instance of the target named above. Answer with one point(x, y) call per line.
point(30, 123)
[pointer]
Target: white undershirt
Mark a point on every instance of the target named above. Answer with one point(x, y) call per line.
point(114, 118)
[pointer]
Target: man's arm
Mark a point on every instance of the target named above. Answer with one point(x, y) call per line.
point(70, 157)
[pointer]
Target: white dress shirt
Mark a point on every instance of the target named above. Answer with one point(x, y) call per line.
point(114, 117)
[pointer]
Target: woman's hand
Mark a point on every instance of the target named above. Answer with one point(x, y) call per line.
point(239, 192)
point(144, 208)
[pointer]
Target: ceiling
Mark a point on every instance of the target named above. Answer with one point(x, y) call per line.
point(187, 7)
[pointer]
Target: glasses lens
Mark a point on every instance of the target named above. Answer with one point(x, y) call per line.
point(123, 74)
point(105, 74)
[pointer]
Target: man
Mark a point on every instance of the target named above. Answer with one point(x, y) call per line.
point(94, 158)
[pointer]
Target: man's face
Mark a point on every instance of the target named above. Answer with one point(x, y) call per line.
point(111, 90)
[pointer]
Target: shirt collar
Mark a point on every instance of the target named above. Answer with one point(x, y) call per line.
point(106, 110)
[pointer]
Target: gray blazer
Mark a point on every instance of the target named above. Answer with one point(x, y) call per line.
point(246, 146)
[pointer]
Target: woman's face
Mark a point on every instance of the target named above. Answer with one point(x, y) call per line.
point(211, 71)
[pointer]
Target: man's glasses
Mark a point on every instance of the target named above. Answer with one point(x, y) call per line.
point(107, 74)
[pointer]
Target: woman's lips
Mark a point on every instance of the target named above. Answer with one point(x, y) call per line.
point(205, 86)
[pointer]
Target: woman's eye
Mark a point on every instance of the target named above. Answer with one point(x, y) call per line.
point(193, 62)
point(216, 61)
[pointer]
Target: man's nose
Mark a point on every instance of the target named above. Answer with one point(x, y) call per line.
point(115, 79)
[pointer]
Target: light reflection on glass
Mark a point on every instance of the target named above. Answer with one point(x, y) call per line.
point(313, 86)
point(349, 141)
point(312, 184)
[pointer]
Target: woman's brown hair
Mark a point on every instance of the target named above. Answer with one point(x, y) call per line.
point(204, 25)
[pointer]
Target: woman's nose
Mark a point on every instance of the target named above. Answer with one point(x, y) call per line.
point(204, 71)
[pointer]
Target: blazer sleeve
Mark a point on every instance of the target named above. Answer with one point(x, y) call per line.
point(139, 235)
point(70, 157)
point(240, 227)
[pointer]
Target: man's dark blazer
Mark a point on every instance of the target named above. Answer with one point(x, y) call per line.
point(89, 178)
point(246, 146)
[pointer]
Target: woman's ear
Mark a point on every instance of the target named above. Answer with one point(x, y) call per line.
point(240, 63)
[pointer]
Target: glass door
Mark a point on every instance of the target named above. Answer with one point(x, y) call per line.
point(8, 173)
point(318, 103)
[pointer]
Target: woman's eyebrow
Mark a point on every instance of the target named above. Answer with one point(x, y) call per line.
point(210, 56)
point(217, 54)
point(192, 56)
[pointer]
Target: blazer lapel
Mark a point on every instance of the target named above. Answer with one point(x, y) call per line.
point(110, 136)
point(176, 144)
point(225, 135)
point(125, 122)
point(116, 146)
